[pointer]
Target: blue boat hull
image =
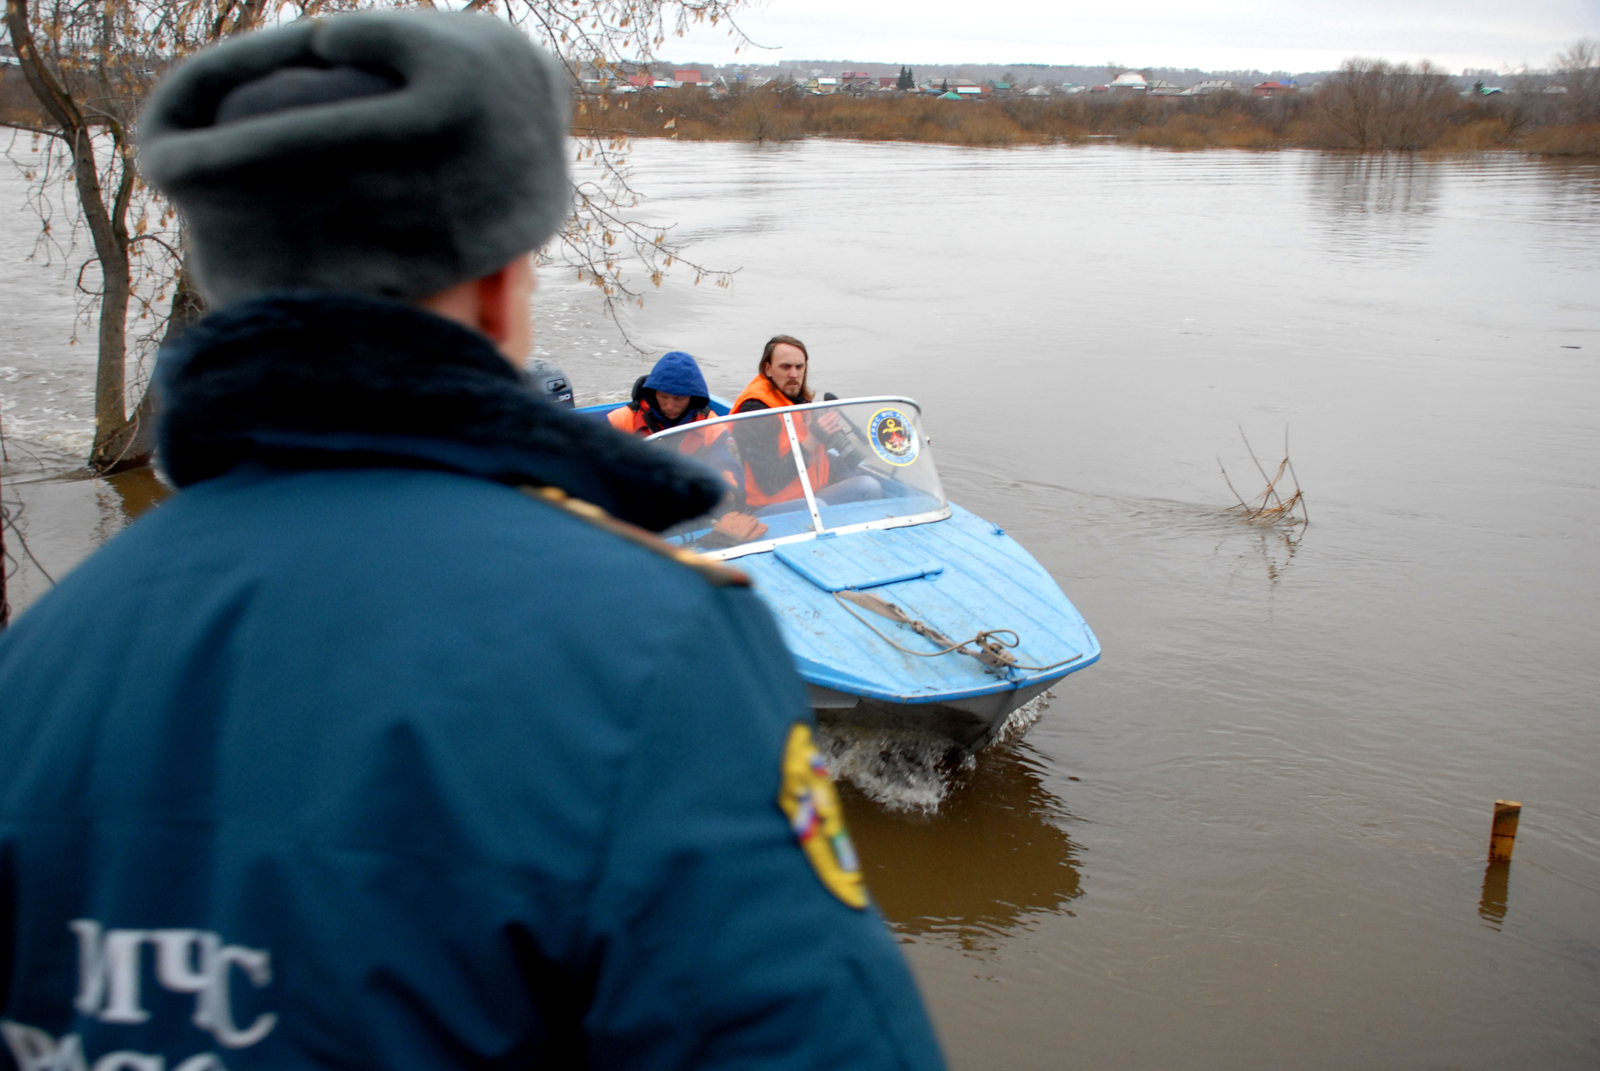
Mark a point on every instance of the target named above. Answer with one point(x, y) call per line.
point(960, 576)
point(851, 599)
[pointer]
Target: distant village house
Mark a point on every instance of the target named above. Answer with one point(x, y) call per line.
point(1215, 85)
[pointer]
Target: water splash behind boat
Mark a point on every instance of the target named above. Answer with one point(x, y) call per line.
point(907, 770)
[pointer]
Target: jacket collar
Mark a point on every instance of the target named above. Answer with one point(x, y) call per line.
point(319, 380)
point(763, 390)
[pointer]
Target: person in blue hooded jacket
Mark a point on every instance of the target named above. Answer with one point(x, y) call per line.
point(673, 393)
point(356, 753)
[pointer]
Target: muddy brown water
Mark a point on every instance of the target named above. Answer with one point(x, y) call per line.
point(1253, 836)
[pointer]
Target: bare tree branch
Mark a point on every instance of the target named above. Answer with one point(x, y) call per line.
point(89, 64)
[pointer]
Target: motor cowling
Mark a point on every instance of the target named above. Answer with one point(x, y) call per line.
point(548, 382)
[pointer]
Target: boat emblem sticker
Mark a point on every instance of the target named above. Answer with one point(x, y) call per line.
point(811, 803)
point(893, 436)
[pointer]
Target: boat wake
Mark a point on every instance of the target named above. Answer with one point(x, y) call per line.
point(906, 770)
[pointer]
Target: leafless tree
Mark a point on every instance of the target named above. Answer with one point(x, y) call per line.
point(1579, 70)
point(599, 41)
point(1373, 104)
point(89, 64)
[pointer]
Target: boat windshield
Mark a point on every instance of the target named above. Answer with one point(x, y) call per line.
point(795, 472)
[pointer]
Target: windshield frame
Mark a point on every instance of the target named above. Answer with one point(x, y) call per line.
point(818, 529)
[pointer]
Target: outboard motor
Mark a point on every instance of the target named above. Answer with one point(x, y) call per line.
point(548, 382)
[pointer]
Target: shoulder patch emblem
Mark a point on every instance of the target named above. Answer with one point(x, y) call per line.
point(811, 803)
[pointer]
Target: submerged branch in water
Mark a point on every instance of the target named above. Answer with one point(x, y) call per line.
point(1270, 506)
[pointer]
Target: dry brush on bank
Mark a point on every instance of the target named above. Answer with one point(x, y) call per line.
point(1368, 105)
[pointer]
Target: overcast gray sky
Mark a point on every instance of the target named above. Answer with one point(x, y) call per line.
point(1295, 35)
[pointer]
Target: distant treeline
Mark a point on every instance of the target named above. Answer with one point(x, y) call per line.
point(1366, 105)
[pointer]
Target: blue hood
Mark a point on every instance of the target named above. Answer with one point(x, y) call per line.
point(677, 373)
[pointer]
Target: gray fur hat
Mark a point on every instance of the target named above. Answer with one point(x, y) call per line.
point(392, 154)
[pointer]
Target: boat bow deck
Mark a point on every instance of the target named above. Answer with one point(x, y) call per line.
point(960, 576)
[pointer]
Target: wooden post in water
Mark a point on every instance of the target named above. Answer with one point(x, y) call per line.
point(1503, 836)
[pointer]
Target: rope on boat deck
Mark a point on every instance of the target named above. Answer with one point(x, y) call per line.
point(992, 650)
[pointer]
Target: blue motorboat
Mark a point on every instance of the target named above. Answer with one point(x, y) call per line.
point(900, 608)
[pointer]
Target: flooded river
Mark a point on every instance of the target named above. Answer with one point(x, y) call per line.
point(1253, 835)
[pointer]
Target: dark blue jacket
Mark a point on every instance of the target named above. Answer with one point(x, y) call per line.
point(354, 755)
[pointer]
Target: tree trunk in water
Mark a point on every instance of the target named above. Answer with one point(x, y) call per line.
point(131, 442)
point(5, 602)
point(115, 433)
point(5, 605)
point(135, 444)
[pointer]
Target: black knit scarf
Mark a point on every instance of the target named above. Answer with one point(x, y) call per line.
point(321, 380)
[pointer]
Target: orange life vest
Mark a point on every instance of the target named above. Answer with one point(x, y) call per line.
point(816, 456)
point(761, 389)
point(644, 420)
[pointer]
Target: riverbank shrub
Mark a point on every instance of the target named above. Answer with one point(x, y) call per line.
point(1575, 139)
point(1185, 131)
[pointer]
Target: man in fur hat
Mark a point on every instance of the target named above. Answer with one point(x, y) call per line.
point(357, 753)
